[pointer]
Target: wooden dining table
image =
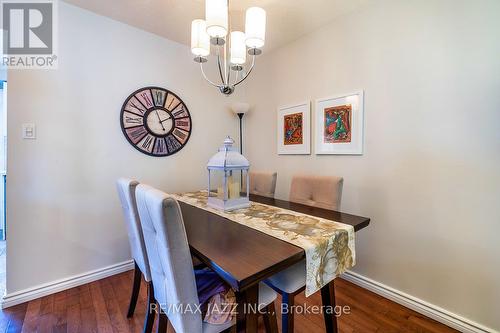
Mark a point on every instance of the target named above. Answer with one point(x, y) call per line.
point(244, 257)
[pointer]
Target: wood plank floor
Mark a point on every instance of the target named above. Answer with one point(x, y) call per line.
point(101, 306)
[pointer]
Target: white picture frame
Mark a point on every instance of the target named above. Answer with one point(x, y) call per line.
point(346, 138)
point(292, 145)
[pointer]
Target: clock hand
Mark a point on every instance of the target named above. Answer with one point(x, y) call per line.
point(161, 123)
point(164, 120)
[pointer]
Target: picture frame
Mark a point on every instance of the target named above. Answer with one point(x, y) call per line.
point(339, 124)
point(294, 129)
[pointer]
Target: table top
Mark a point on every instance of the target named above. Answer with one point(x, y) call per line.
point(358, 222)
point(243, 256)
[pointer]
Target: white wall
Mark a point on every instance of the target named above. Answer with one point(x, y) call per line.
point(429, 177)
point(63, 211)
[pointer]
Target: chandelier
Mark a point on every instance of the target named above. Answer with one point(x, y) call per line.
point(231, 49)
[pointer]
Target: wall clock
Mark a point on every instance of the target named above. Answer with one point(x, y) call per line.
point(155, 121)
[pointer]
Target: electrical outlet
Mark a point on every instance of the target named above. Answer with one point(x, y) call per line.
point(29, 131)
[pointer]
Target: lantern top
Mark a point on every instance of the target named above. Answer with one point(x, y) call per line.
point(228, 158)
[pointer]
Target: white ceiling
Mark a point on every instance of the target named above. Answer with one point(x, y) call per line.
point(287, 20)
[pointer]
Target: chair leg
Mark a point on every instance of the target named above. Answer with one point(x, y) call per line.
point(328, 300)
point(135, 290)
point(270, 319)
point(287, 317)
point(162, 323)
point(150, 313)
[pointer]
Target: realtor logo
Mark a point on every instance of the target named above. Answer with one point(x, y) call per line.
point(29, 33)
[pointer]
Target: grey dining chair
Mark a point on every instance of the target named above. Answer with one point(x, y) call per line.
point(263, 183)
point(126, 190)
point(318, 191)
point(171, 266)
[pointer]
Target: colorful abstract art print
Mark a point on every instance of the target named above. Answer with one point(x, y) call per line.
point(293, 129)
point(337, 124)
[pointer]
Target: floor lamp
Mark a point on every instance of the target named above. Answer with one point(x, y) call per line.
point(239, 109)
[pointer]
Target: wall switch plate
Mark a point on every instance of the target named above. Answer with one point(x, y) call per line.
point(29, 131)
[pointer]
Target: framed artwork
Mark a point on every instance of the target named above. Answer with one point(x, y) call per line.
point(294, 129)
point(339, 124)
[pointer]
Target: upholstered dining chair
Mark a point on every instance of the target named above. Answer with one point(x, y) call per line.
point(171, 266)
point(317, 191)
point(126, 190)
point(263, 183)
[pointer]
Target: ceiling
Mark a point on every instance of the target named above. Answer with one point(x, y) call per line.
point(287, 20)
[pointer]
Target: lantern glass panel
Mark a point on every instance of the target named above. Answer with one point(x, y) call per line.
point(217, 184)
point(236, 184)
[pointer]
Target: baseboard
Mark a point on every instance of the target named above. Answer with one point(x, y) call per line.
point(63, 284)
point(430, 310)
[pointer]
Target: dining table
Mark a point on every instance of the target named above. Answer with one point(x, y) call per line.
point(243, 257)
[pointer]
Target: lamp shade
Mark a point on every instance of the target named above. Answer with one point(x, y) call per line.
point(240, 107)
point(216, 14)
point(238, 48)
point(200, 41)
point(255, 27)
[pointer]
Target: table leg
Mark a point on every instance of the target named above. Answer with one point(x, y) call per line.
point(328, 300)
point(246, 321)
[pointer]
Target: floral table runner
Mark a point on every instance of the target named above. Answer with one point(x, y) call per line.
point(329, 245)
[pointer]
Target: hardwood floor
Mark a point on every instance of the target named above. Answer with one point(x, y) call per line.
point(101, 306)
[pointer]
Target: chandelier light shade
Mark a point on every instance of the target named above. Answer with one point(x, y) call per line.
point(238, 48)
point(216, 14)
point(231, 49)
point(255, 27)
point(200, 41)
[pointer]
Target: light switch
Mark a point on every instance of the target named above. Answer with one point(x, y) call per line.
point(29, 131)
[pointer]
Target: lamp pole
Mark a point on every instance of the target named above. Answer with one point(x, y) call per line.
point(240, 108)
point(240, 115)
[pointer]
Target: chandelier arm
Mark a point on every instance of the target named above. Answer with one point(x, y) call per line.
point(236, 77)
point(227, 70)
point(248, 73)
point(220, 67)
point(226, 53)
point(206, 78)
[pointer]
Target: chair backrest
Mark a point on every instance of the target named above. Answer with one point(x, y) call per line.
point(318, 191)
point(169, 258)
point(126, 191)
point(263, 183)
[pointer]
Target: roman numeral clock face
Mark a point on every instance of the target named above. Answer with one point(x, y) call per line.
point(155, 121)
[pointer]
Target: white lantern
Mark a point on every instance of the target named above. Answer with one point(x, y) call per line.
point(238, 48)
point(216, 14)
point(200, 41)
point(226, 171)
point(255, 27)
